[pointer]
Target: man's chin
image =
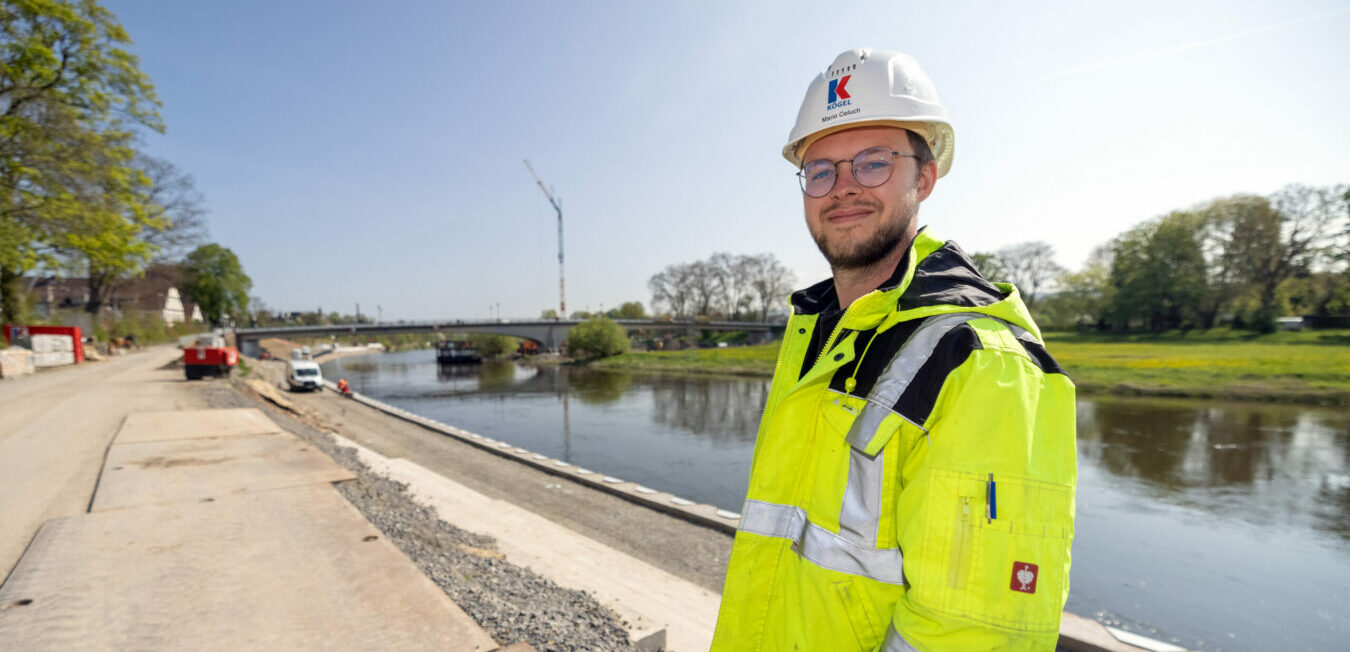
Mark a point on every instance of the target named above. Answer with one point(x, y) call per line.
point(856, 255)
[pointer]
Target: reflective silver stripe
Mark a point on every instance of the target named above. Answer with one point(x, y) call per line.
point(900, 373)
point(894, 642)
point(860, 513)
point(772, 520)
point(820, 546)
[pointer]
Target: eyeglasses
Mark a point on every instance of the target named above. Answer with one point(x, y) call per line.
point(871, 167)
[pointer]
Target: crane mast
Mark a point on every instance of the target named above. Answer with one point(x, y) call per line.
point(557, 206)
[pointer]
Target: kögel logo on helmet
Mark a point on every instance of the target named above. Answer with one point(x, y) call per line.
point(867, 88)
point(837, 92)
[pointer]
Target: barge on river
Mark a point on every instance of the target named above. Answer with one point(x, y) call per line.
point(451, 352)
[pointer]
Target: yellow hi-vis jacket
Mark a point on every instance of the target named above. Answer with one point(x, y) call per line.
point(913, 484)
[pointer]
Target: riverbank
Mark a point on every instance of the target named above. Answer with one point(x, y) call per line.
point(1310, 367)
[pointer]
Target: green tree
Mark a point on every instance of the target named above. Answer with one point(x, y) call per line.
point(165, 223)
point(489, 345)
point(217, 283)
point(70, 98)
point(548, 313)
point(598, 337)
point(629, 310)
point(1289, 240)
point(1157, 272)
point(1085, 296)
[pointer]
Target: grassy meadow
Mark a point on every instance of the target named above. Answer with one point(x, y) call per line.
point(1302, 367)
point(1299, 367)
point(739, 360)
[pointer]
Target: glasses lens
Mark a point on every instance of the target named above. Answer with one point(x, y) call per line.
point(873, 167)
point(817, 178)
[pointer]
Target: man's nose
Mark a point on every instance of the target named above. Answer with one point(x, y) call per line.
point(844, 182)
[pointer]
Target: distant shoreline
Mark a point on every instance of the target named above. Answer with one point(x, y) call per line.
point(1296, 368)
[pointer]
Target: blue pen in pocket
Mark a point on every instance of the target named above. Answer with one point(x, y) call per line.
point(990, 500)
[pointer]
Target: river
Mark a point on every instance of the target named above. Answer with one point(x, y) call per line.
point(1215, 526)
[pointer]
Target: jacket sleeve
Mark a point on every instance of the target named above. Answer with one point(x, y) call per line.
point(984, 516)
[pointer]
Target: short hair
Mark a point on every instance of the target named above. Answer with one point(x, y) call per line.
point(921, 150)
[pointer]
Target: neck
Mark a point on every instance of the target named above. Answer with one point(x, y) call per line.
point(852, 283)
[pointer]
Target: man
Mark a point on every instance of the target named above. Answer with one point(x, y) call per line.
point(912, 484)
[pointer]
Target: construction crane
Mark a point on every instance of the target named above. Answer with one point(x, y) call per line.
point(557, 206)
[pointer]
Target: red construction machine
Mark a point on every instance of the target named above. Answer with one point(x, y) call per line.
point(209, 357)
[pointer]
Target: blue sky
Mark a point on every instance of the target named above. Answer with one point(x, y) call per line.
point(372, 152)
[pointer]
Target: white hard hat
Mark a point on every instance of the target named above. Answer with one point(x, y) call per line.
point(869, 87)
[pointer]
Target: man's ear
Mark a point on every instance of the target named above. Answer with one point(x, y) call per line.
point(927, 179)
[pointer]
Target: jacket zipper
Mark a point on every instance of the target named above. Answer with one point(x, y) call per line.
point(838, 328)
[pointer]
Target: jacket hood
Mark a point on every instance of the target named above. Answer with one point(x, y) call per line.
point(934, 278)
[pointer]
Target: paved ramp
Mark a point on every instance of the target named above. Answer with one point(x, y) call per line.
point(292, 569)
point(215, 530)
point(193, 469)
point(194, 424)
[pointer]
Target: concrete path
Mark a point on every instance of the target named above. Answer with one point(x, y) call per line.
point(288, 569)
point(55, 427)
point(210, 530)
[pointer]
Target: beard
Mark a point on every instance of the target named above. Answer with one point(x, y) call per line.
point(890, 234)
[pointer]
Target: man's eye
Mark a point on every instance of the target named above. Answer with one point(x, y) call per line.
point(875, 166)
point(819, 175)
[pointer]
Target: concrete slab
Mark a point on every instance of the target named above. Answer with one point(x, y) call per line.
point(290, 569)
point(1079, 634)
point(194, 424)
point(650, 599)
point(193, 469)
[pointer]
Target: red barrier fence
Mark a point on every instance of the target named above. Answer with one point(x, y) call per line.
point(24, 332)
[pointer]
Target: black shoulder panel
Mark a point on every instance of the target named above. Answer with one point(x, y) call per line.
point(1042, 358)
point(917, 401)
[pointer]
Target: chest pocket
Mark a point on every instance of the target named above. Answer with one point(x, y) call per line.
point(1003, 544)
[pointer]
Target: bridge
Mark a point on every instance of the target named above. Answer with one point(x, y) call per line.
point(548, 333)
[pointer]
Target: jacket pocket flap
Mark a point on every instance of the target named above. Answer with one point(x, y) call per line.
point(873, 427)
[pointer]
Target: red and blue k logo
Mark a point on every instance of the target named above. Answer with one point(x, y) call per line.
point(837, 90)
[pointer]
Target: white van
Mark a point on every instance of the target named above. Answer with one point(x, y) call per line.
point(303, 375)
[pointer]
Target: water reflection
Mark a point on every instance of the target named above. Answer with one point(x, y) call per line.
point(1263, 464)
point(726, 411)
point(596, 387)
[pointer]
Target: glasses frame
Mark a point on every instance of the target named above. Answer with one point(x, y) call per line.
point(801, 173)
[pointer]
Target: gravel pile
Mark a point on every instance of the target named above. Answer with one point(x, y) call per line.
point(512, 603)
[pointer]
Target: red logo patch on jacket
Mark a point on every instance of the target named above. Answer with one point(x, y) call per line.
point(1024, 576)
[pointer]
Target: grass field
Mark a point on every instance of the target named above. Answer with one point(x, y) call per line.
point(1306, 367)
point(740, 360)
point(1303, 367)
